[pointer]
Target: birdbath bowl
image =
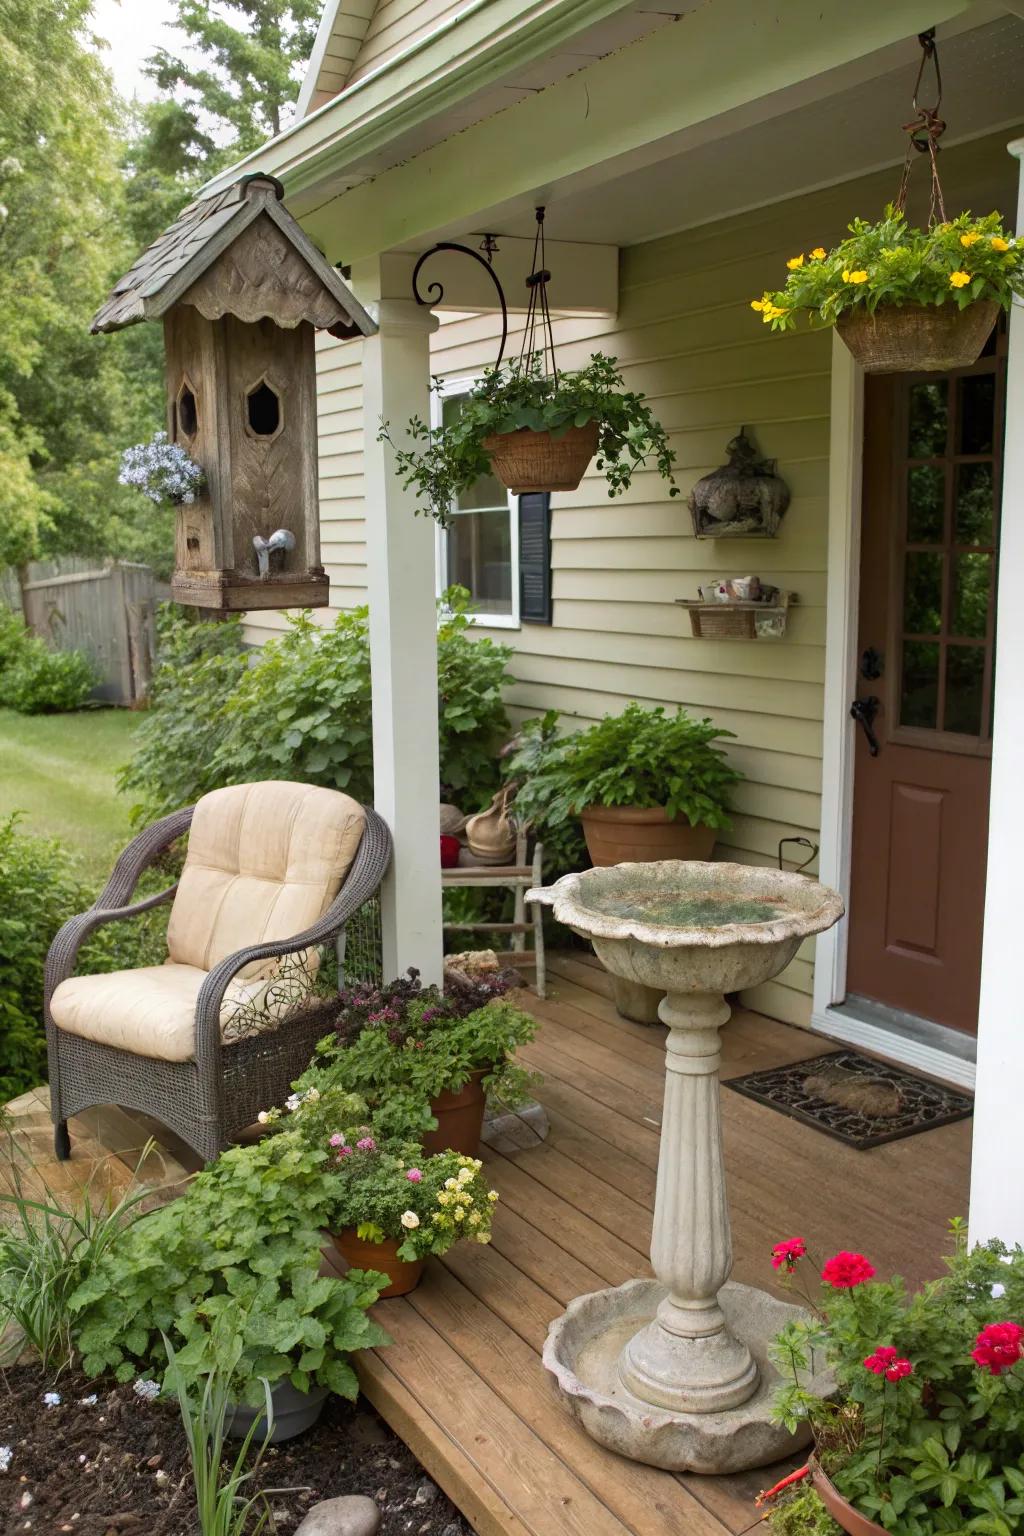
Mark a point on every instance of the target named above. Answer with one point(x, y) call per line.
point(675, 1371)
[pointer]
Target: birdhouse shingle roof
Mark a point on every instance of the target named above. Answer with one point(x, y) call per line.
point(200, 234)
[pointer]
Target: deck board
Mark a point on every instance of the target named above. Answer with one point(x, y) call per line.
point(462, 1381)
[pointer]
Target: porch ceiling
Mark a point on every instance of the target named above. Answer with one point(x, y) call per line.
point(846, 132)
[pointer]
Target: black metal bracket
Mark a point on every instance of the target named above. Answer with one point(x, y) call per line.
point(435, 291)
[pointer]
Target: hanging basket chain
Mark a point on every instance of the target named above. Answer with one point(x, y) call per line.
point(538, 313)
point(925, 130)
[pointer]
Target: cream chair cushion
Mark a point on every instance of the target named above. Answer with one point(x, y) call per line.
point(264, 862)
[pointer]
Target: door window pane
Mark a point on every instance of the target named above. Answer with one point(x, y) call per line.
point(928, 419)
point(480, 558)
point(972, 516)
point(922, 593)
point(919, 693)
point(926, 504)
point(977, 412)
point(972, 580)
point(965, 681)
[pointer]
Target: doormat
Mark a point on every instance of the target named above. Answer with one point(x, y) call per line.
point(860, 1102)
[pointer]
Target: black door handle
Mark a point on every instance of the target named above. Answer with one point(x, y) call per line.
point(864, 712)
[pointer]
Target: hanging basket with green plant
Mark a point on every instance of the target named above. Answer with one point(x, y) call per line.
point(906, 299)
point(534, 426)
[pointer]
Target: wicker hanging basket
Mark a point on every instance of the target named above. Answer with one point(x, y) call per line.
point(917, 338)
point(536, 461)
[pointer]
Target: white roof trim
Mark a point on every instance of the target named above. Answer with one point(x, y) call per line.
point(325, 34)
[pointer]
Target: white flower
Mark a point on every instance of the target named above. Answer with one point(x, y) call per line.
point(90, 1401)
point(292, 1102)
point(312, 1095)
point(465, 1175)
point(410, 1220)
point(263, 1117)
point(52, 1399)
point(6, 1455)
point(147, 1390)
point(999, 1289)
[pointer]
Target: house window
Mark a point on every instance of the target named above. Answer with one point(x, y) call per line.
point(480, 548)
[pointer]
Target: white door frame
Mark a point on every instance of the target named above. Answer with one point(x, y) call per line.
point(842, 615)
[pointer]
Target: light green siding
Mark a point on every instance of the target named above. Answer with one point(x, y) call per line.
point(685, 335)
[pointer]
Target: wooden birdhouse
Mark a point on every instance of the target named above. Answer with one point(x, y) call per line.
point(241, 292)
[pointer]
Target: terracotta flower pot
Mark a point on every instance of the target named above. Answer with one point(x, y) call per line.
point(917, 338)
point(460, 1119)
point(536, 461)
point(404, 1275)
point(624, 834)
point(841, 1510)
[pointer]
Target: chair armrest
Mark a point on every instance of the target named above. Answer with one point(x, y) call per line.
point(112, 903)
point(362, 881)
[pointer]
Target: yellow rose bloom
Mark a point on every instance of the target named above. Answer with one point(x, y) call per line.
point(999, 244)
point(971, 238)
point(819, 253)
point(959, 279)
point(795, 262)
point(855, 277)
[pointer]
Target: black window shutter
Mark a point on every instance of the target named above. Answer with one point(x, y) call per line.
point(535, 558)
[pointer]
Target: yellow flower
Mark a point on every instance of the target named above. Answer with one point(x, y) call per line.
point(971, 238)
point(442, 1198)
point(999, 244)
point(492, 1195)
point(819, 253)
point(757, 304)
point(450, 1184)
point(795, 262)
point(859, 276)
point(482, 1237)
point(474, 1218)
point(959, 279)
point(459, 1213)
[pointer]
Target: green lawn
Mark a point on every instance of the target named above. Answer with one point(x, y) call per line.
point(60, 770)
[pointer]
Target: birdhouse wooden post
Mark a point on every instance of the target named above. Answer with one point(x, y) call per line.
point(241, 292)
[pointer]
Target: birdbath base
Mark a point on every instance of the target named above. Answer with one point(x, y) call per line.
point(583, 1352)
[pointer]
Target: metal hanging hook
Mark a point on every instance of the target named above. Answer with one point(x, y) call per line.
point(435, 291)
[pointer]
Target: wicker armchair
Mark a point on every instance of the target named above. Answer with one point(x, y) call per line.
point(229, 1049)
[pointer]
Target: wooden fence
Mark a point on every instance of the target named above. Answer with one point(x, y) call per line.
point(104, 608)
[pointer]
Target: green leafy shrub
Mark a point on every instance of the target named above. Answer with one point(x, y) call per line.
point(925, 1434)
point(642, 757)
point(242, 1243)
point(890, 262)
point(13, 636)
point(534, 764)
point(300, 708)
point(42, 681)
point(451, 458)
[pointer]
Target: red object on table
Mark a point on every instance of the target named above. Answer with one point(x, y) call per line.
point(449, 851)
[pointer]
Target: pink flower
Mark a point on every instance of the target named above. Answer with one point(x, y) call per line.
point(998, 1347)
point(337, 1140)
point(787, 1253)
point(887, 1362)
point(845, 1270)
point(366, 1144)
point(344, 1152)
point(414, 1176)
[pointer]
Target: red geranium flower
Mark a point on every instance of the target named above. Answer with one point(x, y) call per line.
point(846, 1270)
point(787, 1253)
point(998, 1346)
point(887, 1362)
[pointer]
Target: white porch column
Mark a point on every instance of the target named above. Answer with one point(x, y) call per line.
point(403, 637)
point(997, 1166)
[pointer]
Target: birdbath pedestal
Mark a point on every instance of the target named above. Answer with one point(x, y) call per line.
point(676, 1371)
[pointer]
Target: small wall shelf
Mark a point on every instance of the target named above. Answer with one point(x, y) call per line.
point(739, 620)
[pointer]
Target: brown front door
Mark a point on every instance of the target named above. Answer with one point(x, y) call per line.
point(932, 460)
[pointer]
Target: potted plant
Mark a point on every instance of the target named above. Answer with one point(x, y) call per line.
point(394, 1207)
point(646, 785)
point(242, 1242)
point(424, 1061)
point(536, 431)
point(925, 1433)
point(904, 299)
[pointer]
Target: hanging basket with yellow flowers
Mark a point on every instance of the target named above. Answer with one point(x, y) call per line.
point(908, 300)
point(904, 299)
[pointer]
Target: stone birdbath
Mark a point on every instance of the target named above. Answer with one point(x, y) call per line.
point(675, 1371)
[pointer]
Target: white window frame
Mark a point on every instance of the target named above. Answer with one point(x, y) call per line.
point(462, 386)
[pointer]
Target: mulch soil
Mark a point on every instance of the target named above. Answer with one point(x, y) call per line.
point(119, 1467)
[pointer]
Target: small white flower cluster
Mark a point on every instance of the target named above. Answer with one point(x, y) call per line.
point(149, 1391)
point(6, 1456)
point(162, 471)
point(90, 1401)
point(295, 1101)
point(52, 1399)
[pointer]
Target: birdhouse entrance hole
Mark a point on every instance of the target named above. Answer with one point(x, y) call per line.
point(264, 410)
point(188, 416)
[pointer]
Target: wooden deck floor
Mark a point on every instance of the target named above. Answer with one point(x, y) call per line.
point(462, 1381)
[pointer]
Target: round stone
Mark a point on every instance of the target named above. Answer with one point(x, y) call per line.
point(352, 1515)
